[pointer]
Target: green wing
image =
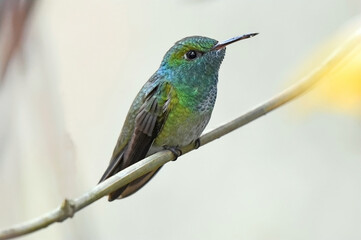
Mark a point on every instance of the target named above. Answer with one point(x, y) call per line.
point(148, 122)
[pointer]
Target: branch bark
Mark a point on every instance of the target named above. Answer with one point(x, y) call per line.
point(69, 207)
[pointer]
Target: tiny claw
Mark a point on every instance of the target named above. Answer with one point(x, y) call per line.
point(197, 143)
point(175, 150)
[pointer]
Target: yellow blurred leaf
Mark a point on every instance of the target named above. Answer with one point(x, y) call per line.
point(339, 86)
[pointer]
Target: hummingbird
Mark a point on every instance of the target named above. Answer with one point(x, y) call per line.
point(172, 108)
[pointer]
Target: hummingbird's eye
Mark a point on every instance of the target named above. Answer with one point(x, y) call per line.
point(190, 55)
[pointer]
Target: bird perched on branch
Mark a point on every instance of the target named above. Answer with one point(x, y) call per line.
point(172, 108)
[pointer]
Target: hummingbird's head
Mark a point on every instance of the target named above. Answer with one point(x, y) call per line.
point(197, 56)
point(194, 55)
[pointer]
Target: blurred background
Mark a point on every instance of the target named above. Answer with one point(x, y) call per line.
point(70, 70)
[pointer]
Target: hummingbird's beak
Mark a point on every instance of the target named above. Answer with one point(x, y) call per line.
point(221, 45)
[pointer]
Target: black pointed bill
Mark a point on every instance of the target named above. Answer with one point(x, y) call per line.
point(221, 45)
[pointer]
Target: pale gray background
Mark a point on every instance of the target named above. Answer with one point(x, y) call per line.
point(284, 176)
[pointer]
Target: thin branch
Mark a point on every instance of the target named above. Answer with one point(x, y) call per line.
point(69, 207)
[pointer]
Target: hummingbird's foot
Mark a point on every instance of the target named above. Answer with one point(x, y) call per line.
point(175, 150)
point(197, 143)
